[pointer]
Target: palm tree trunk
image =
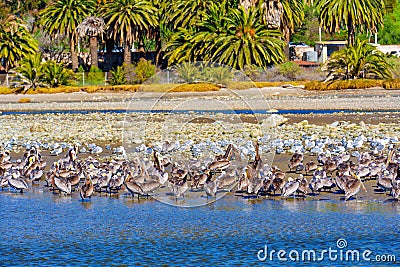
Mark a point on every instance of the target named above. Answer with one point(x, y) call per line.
point(93, 51)
point(286, 37)
point(351, 33)
point(74, 55)
point(157, 37)
point(127, 54)
point(109, 54)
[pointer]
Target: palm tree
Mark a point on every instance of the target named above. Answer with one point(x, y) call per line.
point(55, 74)
point(230, 36)
point(92, 27)
point(15, 42)
point(352, 14)
point(247, 41)
point(361, 60)
point(63, 17)
point(30, 70)
point(127, 21)
point(184, 13)
point(284, 15)
point(292, 16)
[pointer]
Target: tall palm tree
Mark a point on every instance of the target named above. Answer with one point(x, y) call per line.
point(183, 13)
point(231, 36)
point(282, 14)
point(92, 27)
point(63, 17)
point(247, 41)
point(352, 14)
point(15, 42)
point(127, 21)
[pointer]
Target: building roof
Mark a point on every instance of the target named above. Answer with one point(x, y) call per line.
point(332, 42)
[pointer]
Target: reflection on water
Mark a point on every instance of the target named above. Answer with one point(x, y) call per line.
point(42, 229)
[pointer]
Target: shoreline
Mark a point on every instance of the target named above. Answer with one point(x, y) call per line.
point(272, 98)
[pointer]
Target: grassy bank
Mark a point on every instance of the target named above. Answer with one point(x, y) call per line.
point(200, 87)
point(205, 87)
point(353, 84)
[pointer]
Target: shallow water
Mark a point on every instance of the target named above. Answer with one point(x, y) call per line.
point(41, 229)
point(184, 111)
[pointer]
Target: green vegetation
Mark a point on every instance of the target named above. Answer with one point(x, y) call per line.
point(92, 27)
point(118, 76)
point(55, 74)
point(127, 21)
point(360, 61)
point(15, 41)
point(289, 70)
point(355, 15)
point(63, 17)
point(33, 73)
point(232, 36)
point(345, 84)
point(390, 33)
point(144, 70)
point(250, 36)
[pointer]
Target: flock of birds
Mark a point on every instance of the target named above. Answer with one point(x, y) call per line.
point(144, 176)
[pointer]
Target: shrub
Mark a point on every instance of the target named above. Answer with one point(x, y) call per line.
point(24, 100)
point(118, 76)
point(95, 76)
point(395, 63)
point(360, 61)
point(30, 71)
point(144, 70)
point(55, 74)
point(344, 84)
point(392, 84)
point(253, 72)
point(289, 70)
point(197, 87)
point(189, 72)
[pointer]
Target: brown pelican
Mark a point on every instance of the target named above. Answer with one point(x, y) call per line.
point(310, 166)
point(352, 187)
point(243, 182)
point(226, 180)
point(303, 186)
point(290, 187)
point(36, 174)
point(180, 187)
point(87, 189)
point(315, 184)
point(133, 188)
point(340, 180)
point(149, 187)
point(198, 179)
point(17, 183)
point(211, 187)
point(295, 161)
point(395, 189)
point(277, 184)
point(343, 168)
point(363, 171)
point(385, 181)
point(330, 166)
point(219, 165)
point(63, 185)
point(115, 183)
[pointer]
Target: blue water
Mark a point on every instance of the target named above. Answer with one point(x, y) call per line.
point(244, 111)
point(42, 229)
